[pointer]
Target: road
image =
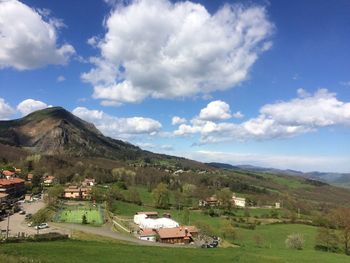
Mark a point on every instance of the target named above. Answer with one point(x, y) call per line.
point(19, 225)
point(106, 231)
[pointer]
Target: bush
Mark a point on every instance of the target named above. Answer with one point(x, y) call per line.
point(295, 241)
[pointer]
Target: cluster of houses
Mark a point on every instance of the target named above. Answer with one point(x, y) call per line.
point(163, 229)
point(82, 192)
point(213, 201)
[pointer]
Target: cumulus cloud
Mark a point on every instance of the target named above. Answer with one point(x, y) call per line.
point(296, 162)
point(121, 128)
point(29, 105)
point(6, 111)
point(29, 37)
point(159, 49)
point(306, 113)
point(176, 120)
point(61, 78)
point(216, 110)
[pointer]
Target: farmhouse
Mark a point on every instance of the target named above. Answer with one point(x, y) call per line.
point(30, 177)
point(177, 235)
point(75, 192)
point(88, 182)
point(49, 180)
point(210, 201)
point(148, 234)
point(238, 201)
point(174, 235)
point(8, 173)
point(13, 187)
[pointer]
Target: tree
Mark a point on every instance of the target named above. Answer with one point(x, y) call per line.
point(295, 241)
point(326, 239)
point(225, 197)
point(341, 219)
point(134, 196)
point(97, 194)
point(186, 217)
point(161, 196)
point(84, 220)
point(54, 193)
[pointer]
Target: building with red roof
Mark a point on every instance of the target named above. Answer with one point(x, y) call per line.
point(13, 187)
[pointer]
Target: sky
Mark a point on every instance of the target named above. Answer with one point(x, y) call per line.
point(264, 83)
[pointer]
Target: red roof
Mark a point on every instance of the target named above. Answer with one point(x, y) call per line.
point(176, 232)
point(8, 173)
point(11, 181)
point(30, 176)
point(148, 232)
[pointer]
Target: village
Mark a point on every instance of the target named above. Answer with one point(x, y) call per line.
point(150, 226)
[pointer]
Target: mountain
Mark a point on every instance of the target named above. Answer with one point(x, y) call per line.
point(339, 179)
point(55, 131)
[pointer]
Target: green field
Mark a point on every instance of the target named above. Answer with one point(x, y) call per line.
point(74, 214)
point(93, 251)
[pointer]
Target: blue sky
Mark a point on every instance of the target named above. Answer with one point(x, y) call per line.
point(260, 82)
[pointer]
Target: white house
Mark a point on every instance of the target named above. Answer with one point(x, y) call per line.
point(238, 201)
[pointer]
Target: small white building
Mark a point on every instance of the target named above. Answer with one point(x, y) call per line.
point(238, 201)
point(277, 205)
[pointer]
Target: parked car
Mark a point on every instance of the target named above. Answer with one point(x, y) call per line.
point(22, 212)
point(30, 224)
point(42, 226)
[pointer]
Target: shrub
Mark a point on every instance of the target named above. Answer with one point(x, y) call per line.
point(295, 241)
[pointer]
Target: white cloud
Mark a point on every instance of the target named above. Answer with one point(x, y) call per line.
point(297, 162)
point(6, 111)
point(237, 115)
point(345, 83)
point(29, 37)
point(115, 127)
point(176, 120)
point(61, 78)
point(317, 110)
point(304, 114)
point(216, 110)
point(159, 49)
point(29, 105)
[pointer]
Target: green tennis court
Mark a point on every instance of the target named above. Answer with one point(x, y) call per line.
point(74, 214)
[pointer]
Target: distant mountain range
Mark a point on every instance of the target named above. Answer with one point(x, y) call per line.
point(340, 179)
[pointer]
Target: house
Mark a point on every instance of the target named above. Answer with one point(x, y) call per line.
point(30, 177)
point(88, 182)
point(238, 201)
point(75, 192)
point(49, 180)
point(210, 201)
point(175, 235)
point(277, 205)
point(13, 187)
point(8, 173)
point(148, 234)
